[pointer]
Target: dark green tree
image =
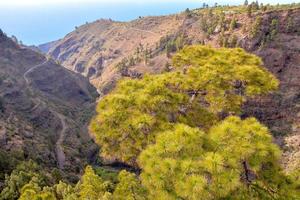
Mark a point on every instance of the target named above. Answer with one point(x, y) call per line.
point(23, 174)
point(233, 24)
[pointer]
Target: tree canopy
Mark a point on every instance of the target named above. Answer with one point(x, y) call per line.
point(234, 159)
point(129, 187)
point(92, 186)
point(206, 84)
point(183, 132)
point(24, 173)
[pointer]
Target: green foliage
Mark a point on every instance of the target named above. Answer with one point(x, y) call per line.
point(124, 65)
point(168, 165)
point(174, 44)
point(255, 5)
point(263, 8)
point(65, 191)
point(294, 180)
point(23, 174)
point(92, 186)
point(249, 10)
point(205, 83)
point(209, 22)
point(235, 159)
point(107, 175)
point(274, 29)
point(269, 35)
point(233, 24)
point(61, 191)
point(127, 117)
point(129, 188)
point(56, 175)
point(223, 40)
point(32, 191)
point(256, 27)
point(233, 41)
point(188, 13)
point(289, 25)
point(141, 54)
point(172, 123)
point(219, 70)
point(7, 164)
point(222, 21)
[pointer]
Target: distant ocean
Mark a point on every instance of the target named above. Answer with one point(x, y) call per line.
point(37, 25)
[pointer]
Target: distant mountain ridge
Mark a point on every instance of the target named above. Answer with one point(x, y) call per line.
point(47, 46)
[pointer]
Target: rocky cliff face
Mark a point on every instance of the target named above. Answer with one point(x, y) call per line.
point(105, 51)
point(44, 109)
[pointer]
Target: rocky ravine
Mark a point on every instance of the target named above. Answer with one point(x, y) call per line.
point(95, 50)
point(44, 110)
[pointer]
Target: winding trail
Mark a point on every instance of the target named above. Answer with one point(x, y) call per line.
point(59, 150)
point(60, 154)
point(25, 75)
point(145, 31)
point(135, 29)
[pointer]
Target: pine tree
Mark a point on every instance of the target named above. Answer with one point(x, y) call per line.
point(65, 191)
point(193, 93)
point(33, 191)
point(129, 188)
point(24, 173)
point(255, 29)
point(235, 159)
point(249, 10)
point(92, 186)
point(256, 5)
point(274, 28)
point(233, 24)
point(289, 25)
point(233, 41)
point(188, 12)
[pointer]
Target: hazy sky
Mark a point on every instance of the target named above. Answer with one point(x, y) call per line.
point(40, 21)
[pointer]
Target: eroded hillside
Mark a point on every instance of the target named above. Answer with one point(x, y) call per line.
point(44, 110)
point(95, 49)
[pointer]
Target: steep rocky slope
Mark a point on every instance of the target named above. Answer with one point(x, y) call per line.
point(94, 49)
point(106, 50)
point(44, 110)
point(47, 46)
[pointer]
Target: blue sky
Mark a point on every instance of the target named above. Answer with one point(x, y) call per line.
point(40, 21)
